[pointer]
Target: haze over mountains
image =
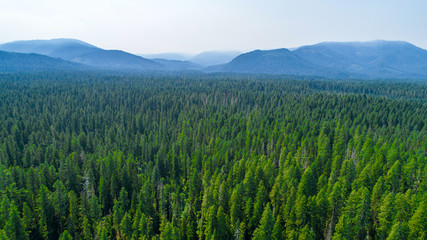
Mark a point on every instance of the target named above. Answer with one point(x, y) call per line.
point(206, 58)
point(31, 62)
point(210, 58)
point(374, 59)
point(180, 61)
point(279, 61)
point(80, 52)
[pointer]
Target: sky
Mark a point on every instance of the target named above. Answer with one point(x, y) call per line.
point(192, 26)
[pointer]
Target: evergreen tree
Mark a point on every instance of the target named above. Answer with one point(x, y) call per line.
point(65, 236)
point(126, 227)
point(194, 156)
point(46, 214)
point(28, 219)
point(168, 231)
point(73, 222)
point(3, 235)
point(306, 233)
point(386, 216)
point(221, 231)
point(266, 225)
point(397, 232)
point(277, 230)
point(15, 228)
point(86, 229)
point(418, 223)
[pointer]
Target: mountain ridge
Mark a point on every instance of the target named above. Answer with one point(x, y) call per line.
point(81, 52)
point(372, 59)
point(31, 62)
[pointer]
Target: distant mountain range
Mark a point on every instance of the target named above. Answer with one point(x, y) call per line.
point(80, 52)
point(210, 58)
point(374, 59)
point(168, 56)
point(23, 62)
point(279, 61)
point(207, 58)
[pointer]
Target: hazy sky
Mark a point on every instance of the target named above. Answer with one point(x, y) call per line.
point(191, 26)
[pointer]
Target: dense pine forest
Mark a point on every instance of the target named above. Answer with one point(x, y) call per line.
point(211, 156)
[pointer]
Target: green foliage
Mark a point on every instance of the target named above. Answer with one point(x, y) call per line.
point(418, 223)
point(266, 225)
point(65, 236)
point(168, 232)
point(126, 227)
point(90, 156)
point(3, 235)
point(15, 228)
point(86, 229)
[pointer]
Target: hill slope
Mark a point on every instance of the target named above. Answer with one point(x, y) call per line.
point(375, 59)
point(279, 61)
point(177, 65)
point(209, 58)
point(22, 62)
point(81, 52)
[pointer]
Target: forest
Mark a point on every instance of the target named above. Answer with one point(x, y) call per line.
point(211, 156)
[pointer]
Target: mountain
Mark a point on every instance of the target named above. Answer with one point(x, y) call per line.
point(278, 61)
point(84, 53)
point(23, 62)
point(168, 56)
point(214, 57)
point(374, 59)
point(177, 65)
point(116, 59)
point(57, 48)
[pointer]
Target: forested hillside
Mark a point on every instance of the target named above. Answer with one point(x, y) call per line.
point(91, 156)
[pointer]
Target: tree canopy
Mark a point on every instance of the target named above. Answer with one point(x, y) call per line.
point(188, 156)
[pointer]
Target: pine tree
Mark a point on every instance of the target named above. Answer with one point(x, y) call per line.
point(342, 229)
point(236, 209)
point(73, 217)
point(102, 232)
point(61, 203)
point(28, 219)
point(46, 214)
point(418, 223)
point(393, 177)
point(221, 231)
point(210, 222)
point(397, 232)
point(117, 215)
point(65, 236)
point(123, 201)
point(386, 216)
point(266, 225)
point(104, 195)
point(168, 231)
point(86, 229)
point(145, 226)
point(306, 233)
point(4, 210)
point(95, 209)
point(15, 228)
point(277, 233)
point(3, 235)
point(126, 227)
